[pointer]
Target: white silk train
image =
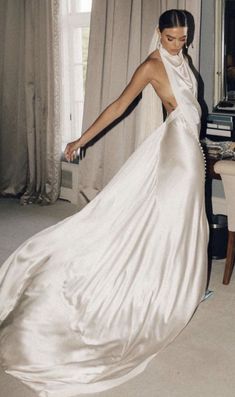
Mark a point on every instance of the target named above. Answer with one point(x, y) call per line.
point(87, 303)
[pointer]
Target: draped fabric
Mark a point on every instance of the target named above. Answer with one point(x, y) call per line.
point(103, 291)
point(29, 109)
point(121, 31)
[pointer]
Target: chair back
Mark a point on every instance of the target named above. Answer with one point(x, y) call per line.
point(226, 168)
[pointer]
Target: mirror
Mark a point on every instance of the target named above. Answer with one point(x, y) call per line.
point(224, 98)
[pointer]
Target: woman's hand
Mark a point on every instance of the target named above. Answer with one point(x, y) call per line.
point(70, 152)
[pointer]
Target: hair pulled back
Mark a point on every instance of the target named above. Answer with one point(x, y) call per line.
point(172, 19)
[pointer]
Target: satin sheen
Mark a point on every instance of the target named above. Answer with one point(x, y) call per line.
point(87, 303)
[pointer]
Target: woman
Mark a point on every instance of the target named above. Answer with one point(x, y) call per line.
point(90, 301)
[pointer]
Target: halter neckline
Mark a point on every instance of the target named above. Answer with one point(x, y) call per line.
point(176, 59)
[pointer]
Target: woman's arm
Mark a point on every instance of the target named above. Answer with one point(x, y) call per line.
point(142, 76)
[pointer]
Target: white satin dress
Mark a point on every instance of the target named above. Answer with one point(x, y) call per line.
point(87, 303)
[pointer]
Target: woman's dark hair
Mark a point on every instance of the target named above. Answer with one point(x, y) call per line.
point(173, 19)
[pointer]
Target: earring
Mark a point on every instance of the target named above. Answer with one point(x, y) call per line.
point(186, 46)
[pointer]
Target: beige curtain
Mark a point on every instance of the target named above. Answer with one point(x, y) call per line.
point(121, 31)
point(29, 108)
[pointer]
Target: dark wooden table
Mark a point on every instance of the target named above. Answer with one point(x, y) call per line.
point(210, 173)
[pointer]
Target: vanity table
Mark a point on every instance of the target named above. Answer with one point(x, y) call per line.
point(210, 172)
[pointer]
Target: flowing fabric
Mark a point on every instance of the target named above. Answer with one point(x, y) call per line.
point(87, 303)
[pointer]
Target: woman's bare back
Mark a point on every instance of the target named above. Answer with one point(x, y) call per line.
point(151, 71)
point(161, 84)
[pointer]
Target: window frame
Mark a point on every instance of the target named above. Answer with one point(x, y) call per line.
point(71, 20)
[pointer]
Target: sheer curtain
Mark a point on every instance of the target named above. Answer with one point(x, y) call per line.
point(29, 107)
point(121, 32)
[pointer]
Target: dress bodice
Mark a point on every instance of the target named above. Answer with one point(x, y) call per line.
point(184, 86)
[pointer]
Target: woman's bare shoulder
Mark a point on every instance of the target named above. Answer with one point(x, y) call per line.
point(154, 60)
point(155, 65)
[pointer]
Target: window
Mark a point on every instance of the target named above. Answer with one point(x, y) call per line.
point(75, 39)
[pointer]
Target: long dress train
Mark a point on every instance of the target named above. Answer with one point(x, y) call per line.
point(86, 303)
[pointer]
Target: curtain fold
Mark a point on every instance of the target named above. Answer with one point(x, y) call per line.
point(30, 105)
point(121, 31)
point(13, 146)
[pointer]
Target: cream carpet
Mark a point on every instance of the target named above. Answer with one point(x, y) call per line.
point(201, 360)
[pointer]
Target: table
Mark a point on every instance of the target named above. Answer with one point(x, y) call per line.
point(210, 173)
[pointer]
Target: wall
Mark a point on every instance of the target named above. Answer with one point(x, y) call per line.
point(206, 65)
point(207, 50)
